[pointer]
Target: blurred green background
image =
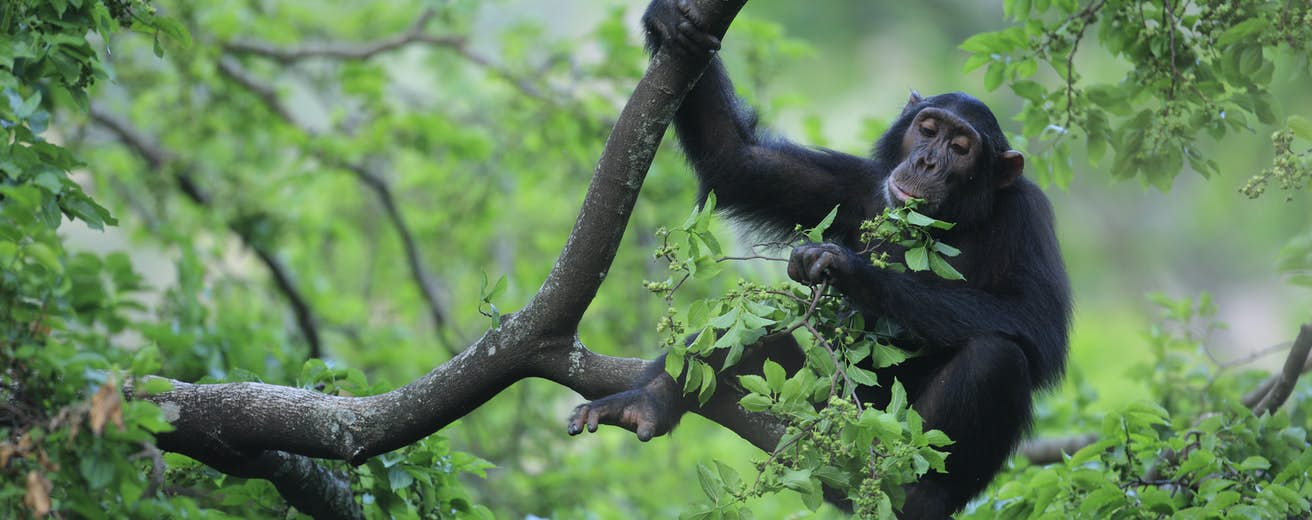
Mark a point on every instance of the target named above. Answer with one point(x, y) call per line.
point(490, 179)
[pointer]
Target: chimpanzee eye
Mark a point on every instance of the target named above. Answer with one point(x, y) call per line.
point(928, 131)
point(958, 149)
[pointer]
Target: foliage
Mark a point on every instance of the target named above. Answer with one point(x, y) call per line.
point(833, 440)
point(1193, 450)
point(71, 323)
point(477, 149)
point(1196, 69)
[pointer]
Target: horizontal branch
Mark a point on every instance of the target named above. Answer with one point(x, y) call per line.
point(346, 51)
point(235, 424)
point(414, 35)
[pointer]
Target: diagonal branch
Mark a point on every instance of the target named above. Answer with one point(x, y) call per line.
point(1274, 391)
point(161, 159)
point(429, 289)
point(225, 424)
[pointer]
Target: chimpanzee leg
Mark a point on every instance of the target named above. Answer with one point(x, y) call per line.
point(654, 407)
point(981, 399)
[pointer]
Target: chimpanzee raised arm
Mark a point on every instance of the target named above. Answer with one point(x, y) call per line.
point(987, 343)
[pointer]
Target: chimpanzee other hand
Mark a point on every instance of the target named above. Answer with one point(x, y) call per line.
point(679, 24)
point(811, 264)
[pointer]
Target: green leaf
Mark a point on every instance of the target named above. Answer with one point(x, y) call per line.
point(1301, 127)
point(708, 384)
point(730, 477)
point(1242, 30)
point(918, 219)
point(946, 250)
point(28, 106)
point(943, 269)
point(754, 383)
point(817, 233)
point(937, 438)
point(755, 402)
point(917, 258)
point(898, 401)
point(44, 256)
point(97, 471)
point(398, 478)
point(774, 376)
point(1253, 463)
point(711, 483)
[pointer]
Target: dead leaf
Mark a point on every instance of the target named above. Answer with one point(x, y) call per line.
point(6, 451)
point(38, 494)
point(106, 405)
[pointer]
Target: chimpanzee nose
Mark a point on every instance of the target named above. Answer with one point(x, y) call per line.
point(925, 162)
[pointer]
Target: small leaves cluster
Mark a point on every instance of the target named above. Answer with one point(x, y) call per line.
point(421, 481)
point(1292, 167)
point(1196, 69)
point(1191, 450)
point(910, 230)
point(833, 440)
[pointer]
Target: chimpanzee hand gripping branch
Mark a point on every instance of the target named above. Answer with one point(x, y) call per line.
point(986, 344)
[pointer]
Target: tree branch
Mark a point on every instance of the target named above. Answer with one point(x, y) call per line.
point(238, 423)
point(1278, 387)
point(1267, 397)
point(340, 51)
point(363, 51)
point(160, 160)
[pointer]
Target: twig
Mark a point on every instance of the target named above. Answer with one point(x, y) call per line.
point(751, 257)
point(157, 467)
point(364, 51)
point(343, 51)
point(266, 93)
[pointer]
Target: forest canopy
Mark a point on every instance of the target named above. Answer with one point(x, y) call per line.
point(346, 259)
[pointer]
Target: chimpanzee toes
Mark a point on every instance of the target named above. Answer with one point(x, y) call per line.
point(646, 430)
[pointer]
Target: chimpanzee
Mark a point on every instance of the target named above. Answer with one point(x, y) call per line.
point(985, 344)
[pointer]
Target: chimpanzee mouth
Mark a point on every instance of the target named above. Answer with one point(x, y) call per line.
point(896, 192)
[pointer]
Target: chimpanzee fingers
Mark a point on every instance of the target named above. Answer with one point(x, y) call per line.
point(820, 266)
point(693, 37)
point(577, 420)
point(593, 419)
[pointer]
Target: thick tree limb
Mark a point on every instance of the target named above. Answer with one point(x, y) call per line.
point(1279, 386)
point(161, 159)
point(232, 425)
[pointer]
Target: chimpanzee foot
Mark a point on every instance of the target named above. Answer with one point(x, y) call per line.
point(648, 411)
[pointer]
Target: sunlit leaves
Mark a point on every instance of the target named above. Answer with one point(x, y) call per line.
point(832, 440)
point(1191, 74)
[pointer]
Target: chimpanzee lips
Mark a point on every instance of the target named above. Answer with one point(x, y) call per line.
point(898, 193)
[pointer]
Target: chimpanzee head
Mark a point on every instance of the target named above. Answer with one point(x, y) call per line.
point(949, 151)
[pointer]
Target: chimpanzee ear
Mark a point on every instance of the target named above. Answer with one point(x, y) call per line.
point(1012, 164)
point(915, 100)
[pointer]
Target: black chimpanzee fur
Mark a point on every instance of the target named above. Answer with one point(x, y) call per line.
point(987, 343)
